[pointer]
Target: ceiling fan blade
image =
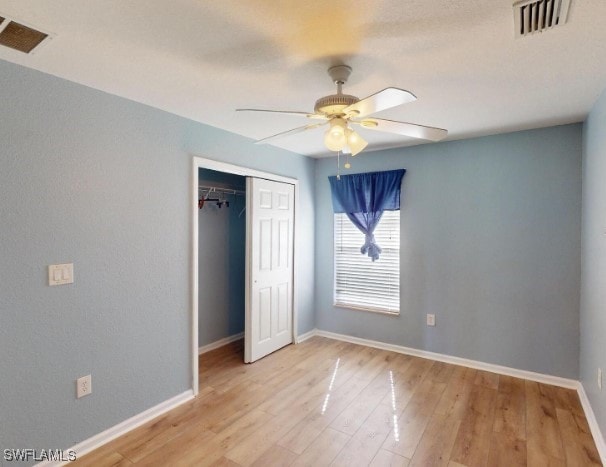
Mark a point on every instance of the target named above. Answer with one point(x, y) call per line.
point(294, 131)
point(287, 112)
point(382, 100)
point(403, 128)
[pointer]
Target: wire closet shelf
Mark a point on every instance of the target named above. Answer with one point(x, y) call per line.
point(216, 194)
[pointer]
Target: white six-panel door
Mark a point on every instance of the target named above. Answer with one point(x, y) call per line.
point(269, 244)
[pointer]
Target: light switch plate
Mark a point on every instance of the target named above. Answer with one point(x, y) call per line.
point(60, 274)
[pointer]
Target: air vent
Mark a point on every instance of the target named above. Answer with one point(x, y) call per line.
point(20, 37)
point(531, 16)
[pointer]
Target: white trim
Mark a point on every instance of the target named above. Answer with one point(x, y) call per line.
point(368, 309)
point(503, 370)
point(248, 274)
point(194, 275)
point(295, 262)
point(98, 440)
point(598, 438)
point(212, 164)
point(307, 335)
point(220, 343)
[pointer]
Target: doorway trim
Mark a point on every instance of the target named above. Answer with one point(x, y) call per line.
point(205, 163)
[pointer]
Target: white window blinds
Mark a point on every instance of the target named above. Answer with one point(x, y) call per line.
point(359, 282)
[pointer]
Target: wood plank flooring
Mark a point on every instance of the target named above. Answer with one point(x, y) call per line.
point(325, 402)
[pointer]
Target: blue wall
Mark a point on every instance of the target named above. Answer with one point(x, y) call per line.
point(222, 258)
point(593, 284)
point(490, 240)
point(103, 182)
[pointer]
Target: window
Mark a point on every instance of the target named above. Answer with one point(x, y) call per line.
point(360, 282)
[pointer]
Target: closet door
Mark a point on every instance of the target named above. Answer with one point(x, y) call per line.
point(269, 254)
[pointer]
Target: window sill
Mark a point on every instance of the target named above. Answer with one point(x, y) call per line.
point(367, 309)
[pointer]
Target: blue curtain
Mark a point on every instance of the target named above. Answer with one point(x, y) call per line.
point(363, 198)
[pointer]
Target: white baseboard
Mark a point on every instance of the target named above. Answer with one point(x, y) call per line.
point(593, 422)
point(502, 370)
point(114, 432)
point(220, 343)
point(306, 335)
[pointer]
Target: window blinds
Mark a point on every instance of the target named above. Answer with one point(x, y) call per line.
point(359, 282)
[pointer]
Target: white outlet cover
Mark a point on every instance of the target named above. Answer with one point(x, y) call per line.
point(431, 319)
point(84, 386)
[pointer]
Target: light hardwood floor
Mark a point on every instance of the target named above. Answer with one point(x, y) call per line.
point(325, 402)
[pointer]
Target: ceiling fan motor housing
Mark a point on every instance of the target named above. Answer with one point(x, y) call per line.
point(333, 105)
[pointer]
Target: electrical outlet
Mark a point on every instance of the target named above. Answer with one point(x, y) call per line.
point(84, 386)
point(600, 379)
point(431, 319)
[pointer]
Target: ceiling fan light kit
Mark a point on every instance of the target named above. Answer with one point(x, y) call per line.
point(339, 137)
point(340, 110)
point(334, 138)
point(355, 142)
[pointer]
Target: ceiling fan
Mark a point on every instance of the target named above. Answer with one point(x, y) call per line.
point(339, 111)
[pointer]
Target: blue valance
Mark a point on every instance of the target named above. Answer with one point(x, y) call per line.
point(364, 197)
point(367, 192)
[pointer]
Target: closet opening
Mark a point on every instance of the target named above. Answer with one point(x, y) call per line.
point(221, 258)
point(243, 262)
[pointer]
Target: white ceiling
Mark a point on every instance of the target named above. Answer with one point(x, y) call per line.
point(202, 59)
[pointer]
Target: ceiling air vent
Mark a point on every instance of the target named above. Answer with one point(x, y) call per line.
point(20, 37)
point(531, 16)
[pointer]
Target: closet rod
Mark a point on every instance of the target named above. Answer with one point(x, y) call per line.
point(220, 190)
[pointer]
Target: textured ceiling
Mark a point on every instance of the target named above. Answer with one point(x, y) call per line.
point(203, 59)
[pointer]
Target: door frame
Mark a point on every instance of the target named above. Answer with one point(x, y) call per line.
point(205, 163)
